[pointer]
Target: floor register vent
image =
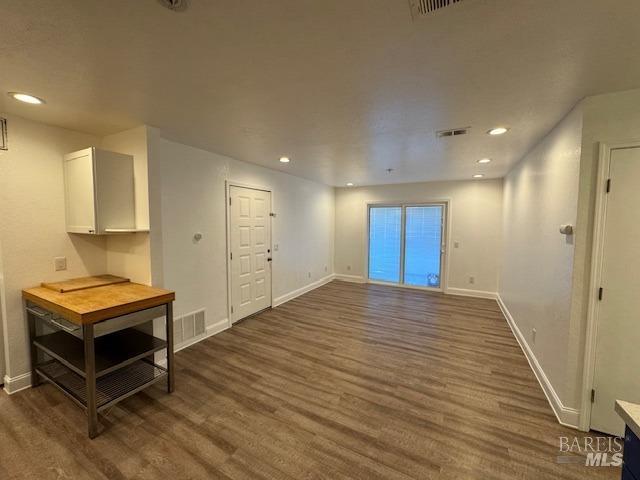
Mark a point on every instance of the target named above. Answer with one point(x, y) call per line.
point(188, 327)
point(422, 8)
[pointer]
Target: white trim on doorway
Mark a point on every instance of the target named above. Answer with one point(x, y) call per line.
point(597, 250)
point(227, 196)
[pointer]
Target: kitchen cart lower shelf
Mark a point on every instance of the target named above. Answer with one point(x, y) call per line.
point(110, 388)
point(112, 351)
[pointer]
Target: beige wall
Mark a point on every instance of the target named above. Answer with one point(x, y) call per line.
point(540, 194)
point(32, 226)
point(129, 255)
point(32, 230)
point(187, 190)
point(475, 223)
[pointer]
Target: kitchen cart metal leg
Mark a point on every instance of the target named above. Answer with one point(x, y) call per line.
point(169, 325)
point(35, 378)
point(90, 378)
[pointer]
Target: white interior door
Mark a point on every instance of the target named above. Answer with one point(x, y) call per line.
point(617, 362)
point(250, 252)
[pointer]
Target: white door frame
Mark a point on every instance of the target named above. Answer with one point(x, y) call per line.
point(227, 196)
point(597, 259)
point(446, 230)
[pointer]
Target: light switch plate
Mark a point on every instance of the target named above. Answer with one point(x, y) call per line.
point(60, 263)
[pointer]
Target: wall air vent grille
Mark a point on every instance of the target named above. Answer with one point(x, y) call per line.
point(4, 141)
point(454, 132)
point(421, 8)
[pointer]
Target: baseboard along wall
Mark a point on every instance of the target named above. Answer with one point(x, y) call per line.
point(569, 417)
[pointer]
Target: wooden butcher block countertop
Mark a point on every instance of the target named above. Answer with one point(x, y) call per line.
point(93, 299)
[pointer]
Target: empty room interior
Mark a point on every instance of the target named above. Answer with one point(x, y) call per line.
point(337, 239)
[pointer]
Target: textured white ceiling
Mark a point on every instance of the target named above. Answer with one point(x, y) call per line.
point(346, 88)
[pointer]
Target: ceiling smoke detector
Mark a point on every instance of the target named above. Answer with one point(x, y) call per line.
point(423, 8)
point(175, 5)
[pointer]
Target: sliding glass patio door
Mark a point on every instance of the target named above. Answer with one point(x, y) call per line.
point(406, 244)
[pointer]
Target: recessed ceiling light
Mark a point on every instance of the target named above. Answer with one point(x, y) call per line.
point(284, 160)
point(349, 184)
point(23, 97)
point(478, 175)
point(484, 160)
point(498, 131)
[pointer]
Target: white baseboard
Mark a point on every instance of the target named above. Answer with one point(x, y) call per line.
point(301, 291)
point(350, 278)
point(464, 292)
point(569, 417)
point(15, 384)
point(217, 327)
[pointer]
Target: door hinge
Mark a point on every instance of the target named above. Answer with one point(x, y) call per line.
point(272, 214)
point(608, 185)
point(231, 255)
point(600, 292)
point(229, 201)
point(593, 396)
point(231, 308)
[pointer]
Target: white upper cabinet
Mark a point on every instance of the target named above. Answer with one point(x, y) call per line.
point(99, 192)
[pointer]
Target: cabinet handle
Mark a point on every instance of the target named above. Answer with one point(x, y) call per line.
point(37, 313)
point(62, 327)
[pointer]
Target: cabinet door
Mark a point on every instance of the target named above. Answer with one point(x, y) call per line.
point(115, 197)
point(79, 192)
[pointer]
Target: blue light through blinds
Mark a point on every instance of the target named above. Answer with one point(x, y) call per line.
point(422, 246)
point(385, 224)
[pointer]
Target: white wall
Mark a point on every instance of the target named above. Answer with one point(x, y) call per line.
point(187, 190)
point(544, 281)
point(608, 118)
point(475, 217)
point(32, 226)
point(540, 194)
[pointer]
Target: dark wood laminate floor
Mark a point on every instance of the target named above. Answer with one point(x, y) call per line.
point(347, 381)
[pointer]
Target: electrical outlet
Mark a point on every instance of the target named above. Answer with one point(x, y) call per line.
point(60, 263)
point(349, 267)
point(275, 247)
point(309, 274)
point(326, 268)
point(472, 279)
point(456, 244)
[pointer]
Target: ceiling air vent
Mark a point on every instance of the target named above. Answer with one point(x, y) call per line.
point(422, 8)
point(175, 5)
point(454, 132)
